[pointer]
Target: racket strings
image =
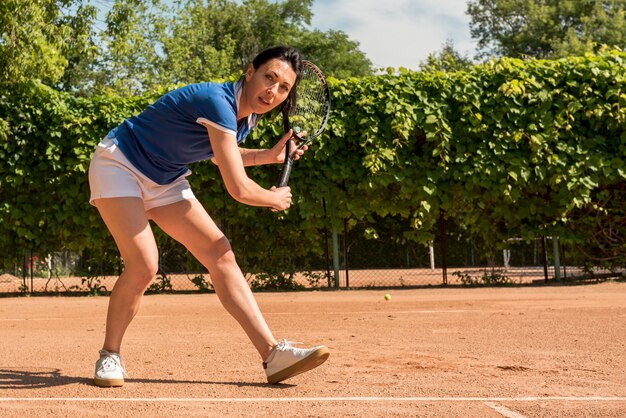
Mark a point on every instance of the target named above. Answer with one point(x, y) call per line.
point(311, 105)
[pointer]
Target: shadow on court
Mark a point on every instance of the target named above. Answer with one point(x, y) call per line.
point(198, 382)
point(28, 379)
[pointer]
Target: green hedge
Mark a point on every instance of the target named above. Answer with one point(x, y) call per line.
point(508, 148)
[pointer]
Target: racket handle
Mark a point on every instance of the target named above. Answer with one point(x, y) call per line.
point(284, 174)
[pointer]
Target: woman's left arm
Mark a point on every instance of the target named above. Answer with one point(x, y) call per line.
point(252, 157)
point(274, 155)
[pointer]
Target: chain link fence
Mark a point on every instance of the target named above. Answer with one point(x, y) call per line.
point(354, 261)
point(456, 258)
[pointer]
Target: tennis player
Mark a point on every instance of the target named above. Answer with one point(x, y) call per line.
point(139, 172)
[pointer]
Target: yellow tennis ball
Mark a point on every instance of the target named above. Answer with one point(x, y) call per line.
point(387, 296)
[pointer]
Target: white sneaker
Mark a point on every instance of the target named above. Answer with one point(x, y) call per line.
point(286, 361)
point(110, 370)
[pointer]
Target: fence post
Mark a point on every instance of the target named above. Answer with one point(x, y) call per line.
point(335, 235)
point(564, 262)
point(544, 258)
point(431, 255)
point(336, 254)
point(24, 265)
point(557, 260)
point(442, 237)
point(32, 282)
point(345, 250)
point(326, 252)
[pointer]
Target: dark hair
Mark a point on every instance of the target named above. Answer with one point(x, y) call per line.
point(291, 57)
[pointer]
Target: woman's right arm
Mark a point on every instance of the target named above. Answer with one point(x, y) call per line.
point(241, 187)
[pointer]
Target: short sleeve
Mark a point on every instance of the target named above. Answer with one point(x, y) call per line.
point(214, 107)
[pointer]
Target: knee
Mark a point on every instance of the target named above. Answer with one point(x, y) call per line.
point(222, 254)
point(141, 272)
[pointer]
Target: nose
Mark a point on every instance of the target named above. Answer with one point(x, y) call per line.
point(272, 89)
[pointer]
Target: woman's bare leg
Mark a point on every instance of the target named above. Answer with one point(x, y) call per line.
point(128, 223)
point(189, 223)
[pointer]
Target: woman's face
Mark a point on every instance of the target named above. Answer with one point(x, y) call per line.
point(268, 86)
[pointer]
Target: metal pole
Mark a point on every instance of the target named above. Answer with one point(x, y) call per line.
point(557, 260)
point(326, 244)
point(335, 234)
point(32, 284)
point(345, 250)
point(24, 267)
point(431, 255)
point(564, 262)
point(544, 258)
point(336, 254)
point(442, 236)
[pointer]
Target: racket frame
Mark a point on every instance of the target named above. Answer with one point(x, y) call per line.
point(302, 141)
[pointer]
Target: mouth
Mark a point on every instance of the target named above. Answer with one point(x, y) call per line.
point(265, 101)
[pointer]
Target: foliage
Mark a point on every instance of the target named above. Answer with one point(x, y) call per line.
point(494, 277)
point(508, 148)
point(129, 62)
point(334, 52)
point(140, 46)
point(162, 284)
point(40, 39)
point(93, 285)
point(205, 40)
point(269, 281)
point(605, 218)
point(46, 141)
point(448, 59)
point(546, 28)
point(202, 284)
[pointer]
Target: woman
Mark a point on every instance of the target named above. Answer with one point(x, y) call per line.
point(139, 172)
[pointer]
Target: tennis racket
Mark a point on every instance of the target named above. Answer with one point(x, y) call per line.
point(308, 118)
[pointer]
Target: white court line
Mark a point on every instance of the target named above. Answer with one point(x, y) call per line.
point(504, 411)
point(332, 399)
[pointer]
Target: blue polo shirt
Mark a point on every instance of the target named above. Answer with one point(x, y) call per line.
point(171, 133)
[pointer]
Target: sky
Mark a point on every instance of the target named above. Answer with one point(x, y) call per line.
point(398, 33)
point(392, 33)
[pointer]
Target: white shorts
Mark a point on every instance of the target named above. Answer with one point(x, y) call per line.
point(112, 175)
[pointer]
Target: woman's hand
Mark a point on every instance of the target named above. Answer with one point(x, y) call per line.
point(277, 152)
point(283, 198)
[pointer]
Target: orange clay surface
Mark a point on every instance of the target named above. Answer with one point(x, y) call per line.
point(483, 352)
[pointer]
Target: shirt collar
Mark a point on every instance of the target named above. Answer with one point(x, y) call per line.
point(252, 118)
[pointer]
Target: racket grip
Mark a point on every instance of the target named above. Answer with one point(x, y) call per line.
point(284, 174)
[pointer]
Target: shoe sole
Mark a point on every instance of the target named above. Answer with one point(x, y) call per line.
point(108, 383)
point(312, 361)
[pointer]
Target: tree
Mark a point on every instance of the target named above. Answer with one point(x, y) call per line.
point(334, 52)
point(446, 60)
point(265, 23)
point(200, 40)
point(130, 58)
point(546, 28)
point(231, 34)
point(147, 44)
point(43, 40)
point(217, 38)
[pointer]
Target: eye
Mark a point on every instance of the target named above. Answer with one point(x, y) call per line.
point(284, 88)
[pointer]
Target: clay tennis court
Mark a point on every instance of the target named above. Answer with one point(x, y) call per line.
point(485, 352)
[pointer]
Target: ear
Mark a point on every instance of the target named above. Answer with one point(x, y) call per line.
point(249, 72)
